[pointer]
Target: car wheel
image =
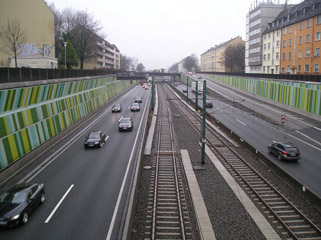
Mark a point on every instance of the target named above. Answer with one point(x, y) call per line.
point(100, 144)
point(280, 157)
point(25, 218)
point(42, 198)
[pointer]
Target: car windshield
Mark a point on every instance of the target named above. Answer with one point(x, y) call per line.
point(291, 149)
point(94, 135)
point(14, 197)
point(117, 105)
point(135, 104)
point(125, 120)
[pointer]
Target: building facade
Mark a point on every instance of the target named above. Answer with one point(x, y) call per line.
point(298, 47)
point(213, 59)
point(256, 22)
point(37, 22)
point(107, 56)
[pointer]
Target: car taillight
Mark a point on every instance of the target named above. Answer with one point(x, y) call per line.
point(284, 153)
point(299, 153)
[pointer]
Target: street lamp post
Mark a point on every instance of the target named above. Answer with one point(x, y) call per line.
point(65, 44)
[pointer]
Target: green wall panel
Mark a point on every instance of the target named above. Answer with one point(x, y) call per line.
point(24, 126)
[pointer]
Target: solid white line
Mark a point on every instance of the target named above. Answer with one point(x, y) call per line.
point(112, 223)
point(308, 137)
point(57, 206)
point(317, 128)
point(120, 118)
point(240, 122)
point(106, 138)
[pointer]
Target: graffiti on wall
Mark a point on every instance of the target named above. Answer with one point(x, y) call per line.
point(31, 50)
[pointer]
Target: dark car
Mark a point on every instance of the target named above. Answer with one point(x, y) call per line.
point(125, 124)
point(95, 139)
point(184, 90)
point(134, 107)
point(116, 108)
point(209, 104)
point(138, 99)
point(17, 204)
point(284, 151)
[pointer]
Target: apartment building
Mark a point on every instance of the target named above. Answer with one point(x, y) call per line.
point(295, 40)
point(107, 56)
point(256, 22)
point(213, 59)
point(37, 22)
point(301, 39)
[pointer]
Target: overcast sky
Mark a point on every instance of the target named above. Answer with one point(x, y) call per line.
point(161, 33)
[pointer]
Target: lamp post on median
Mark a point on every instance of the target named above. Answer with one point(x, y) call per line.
point(187, 88)
point(196, 100)
point(204, 122)
point(65, 44)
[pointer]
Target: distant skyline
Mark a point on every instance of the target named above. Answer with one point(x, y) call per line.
point(161, 33)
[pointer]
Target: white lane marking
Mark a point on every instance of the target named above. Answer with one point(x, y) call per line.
point(317, 128)
point(59, 203)
point(120, 118)
point(240, 122)
point(129, 107)
point(112, 223)
point(106, 138)
point(308, 137)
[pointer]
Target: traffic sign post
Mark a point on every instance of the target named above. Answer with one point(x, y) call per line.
point(283, 119)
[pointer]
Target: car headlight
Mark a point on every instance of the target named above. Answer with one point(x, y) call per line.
point(96, 142)
point(15, 217)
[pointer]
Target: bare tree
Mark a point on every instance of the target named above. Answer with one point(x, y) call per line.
point(140, 67)
point(191, 62)
point(234, 58)
point(12, 36)
point(85, 36)
point(127, 63)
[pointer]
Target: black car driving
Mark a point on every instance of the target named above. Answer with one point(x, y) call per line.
point(209, 104)
point(138, 99)
point(95, 139)
point(116, 108)
point(125, 124)
point(18, 203)
point(286, 151)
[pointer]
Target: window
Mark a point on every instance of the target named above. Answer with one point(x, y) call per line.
point(269, 57)
point(317, 36)
point(284, 30)
point(308, 38)
point(264, 46)
point(277, 44)
point(317, 52)
point(290, 55)
point(263, 69)
point(288, 69)
point(264, 57)
point(306, 68)
point(268, 69)
point(300, 40)
point(301, 25)
point(277, 69)
point(269, 46)
point(265, 37)
point(290, 29)
point(319, 19)
point(290, 42)
point(283, 70)
point(307, 53)
point(299, 54)
point(299, 68)
point(316, 67)
point(283, 56)
point(278, 32)
point(269, 35)
point(284, 43)
point(308, 22)
point(277, 56)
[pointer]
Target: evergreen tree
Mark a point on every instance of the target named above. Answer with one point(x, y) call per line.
point(71, 59)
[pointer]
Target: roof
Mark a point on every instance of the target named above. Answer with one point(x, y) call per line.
point(295, 13)
point(221, 45)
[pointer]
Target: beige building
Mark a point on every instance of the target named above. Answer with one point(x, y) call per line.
point(37, 21)
point(212, 60)
point(108, 56)
point(271, 51)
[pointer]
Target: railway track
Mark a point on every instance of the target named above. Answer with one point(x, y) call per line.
point(167, 216)
point(295, 224)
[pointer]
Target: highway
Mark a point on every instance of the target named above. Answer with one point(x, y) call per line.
point(86, 189)
point(260, 133)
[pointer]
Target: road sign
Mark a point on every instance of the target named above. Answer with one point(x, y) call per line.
point(283, 118)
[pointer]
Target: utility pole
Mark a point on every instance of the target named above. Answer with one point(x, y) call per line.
point(153, 89)
point(65, 44)
point(187, 88)
point(196, 100)
point(204, 122)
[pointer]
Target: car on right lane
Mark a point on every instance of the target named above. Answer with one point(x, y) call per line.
point(284, 151)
